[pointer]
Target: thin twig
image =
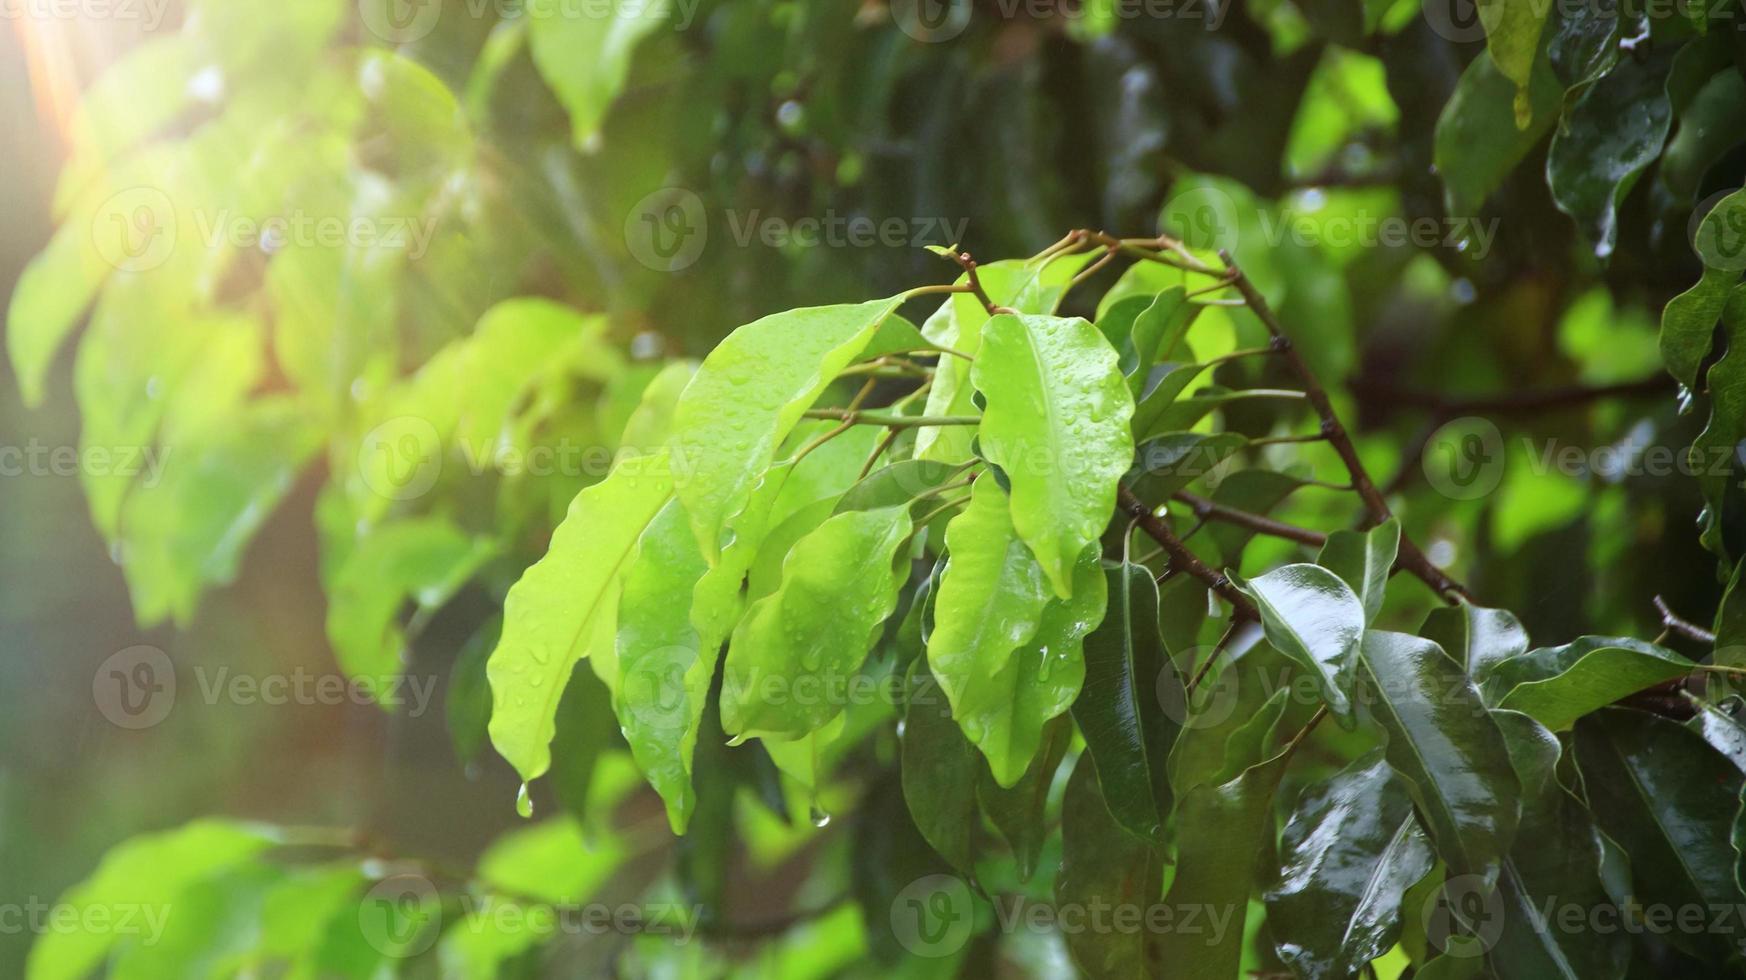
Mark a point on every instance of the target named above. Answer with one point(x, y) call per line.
point(1681, 626)
point(848, 417)
point(1212, 510)
point(1180, 556)
point(1410, 557)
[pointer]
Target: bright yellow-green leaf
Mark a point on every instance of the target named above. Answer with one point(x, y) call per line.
point(750, 391)
point(791, 659)
point(1057, 424)
point(565, 606)
point(584, 53)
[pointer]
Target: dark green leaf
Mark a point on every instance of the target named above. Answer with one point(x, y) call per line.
point(1557, 685)
point(1316, 620)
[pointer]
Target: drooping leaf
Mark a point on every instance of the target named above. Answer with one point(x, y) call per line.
point(1479, 138)
point(994, 623)
point(425, 559)
point(1475, 636)
point(1688, 324)
point(1103, 867)
point(1364, 560)
point(899, 483)
point(1017, 811)
point(585, 54)
point(747, 396)
point(1553, 867)
point(1610, 135)
point(1157, 333)
point(1557, 685)
point(565, 606)
point(1120, 709)
point(1315, 619)
point(1057, 425)
point(1669, 800)
point(1720, 726)
point(1447, 748)
point(1347, 858)
point(1231, 827)
point(664, 673)
point(791, 658)
point(1512, 37)
point(940, 769)
point(149, 874)
point(1714, 453)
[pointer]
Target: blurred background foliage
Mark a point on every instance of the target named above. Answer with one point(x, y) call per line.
point(529, 149)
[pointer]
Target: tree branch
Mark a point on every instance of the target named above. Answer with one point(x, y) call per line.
point(1410, 558)
point(1685, 628)
point(1180, 555)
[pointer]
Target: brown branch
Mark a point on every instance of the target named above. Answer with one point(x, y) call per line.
point(1685, 628)
point(1410, 557)
point(1180, 555)
point(968, 264)
point(1209, 510)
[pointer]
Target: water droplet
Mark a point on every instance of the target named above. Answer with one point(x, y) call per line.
point(820, 818)
point(524, 802)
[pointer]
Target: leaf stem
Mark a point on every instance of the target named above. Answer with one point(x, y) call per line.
point(875, 417)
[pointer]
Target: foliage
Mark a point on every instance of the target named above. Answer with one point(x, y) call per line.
point(1033, 592)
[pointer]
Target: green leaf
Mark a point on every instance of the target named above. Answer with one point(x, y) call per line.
point(1005, 652)
point(664, 674)
point(1057, 425)
point(940, 771)
point(1719, 725)
point(584, 54)
point(564, 607)
point(1475, 636)
point(1017, 812)
point(1596, 155)
point(147, 874)
point(1232, 827)
point(1028, 287)
point(1688, 324)
point(1446, 746)
point(1158, 331)
point(1478, 139)
point(1557, 685)
point(1512, 36)
point(899, 483)
point(791, 658)
point(552, 861)
point(1171, 462)
point(467, 701)
point(1364, 560)
point(424, 559)
point(1347, 858)
point(1315, 619)
point(1669, 801)
point(188, 530)
point(1714, 454)
point(1120, 710)
point(1553, 866)
point(747, 395)
point(1104, 868)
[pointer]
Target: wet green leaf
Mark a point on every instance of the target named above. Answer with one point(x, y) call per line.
point(1558, 685)
point(1102, 867)
point(1447, 748)
point(1057, 425)
point(1364, 560)
point(1475, 636)
point(565, 606)
point(1315, 619)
